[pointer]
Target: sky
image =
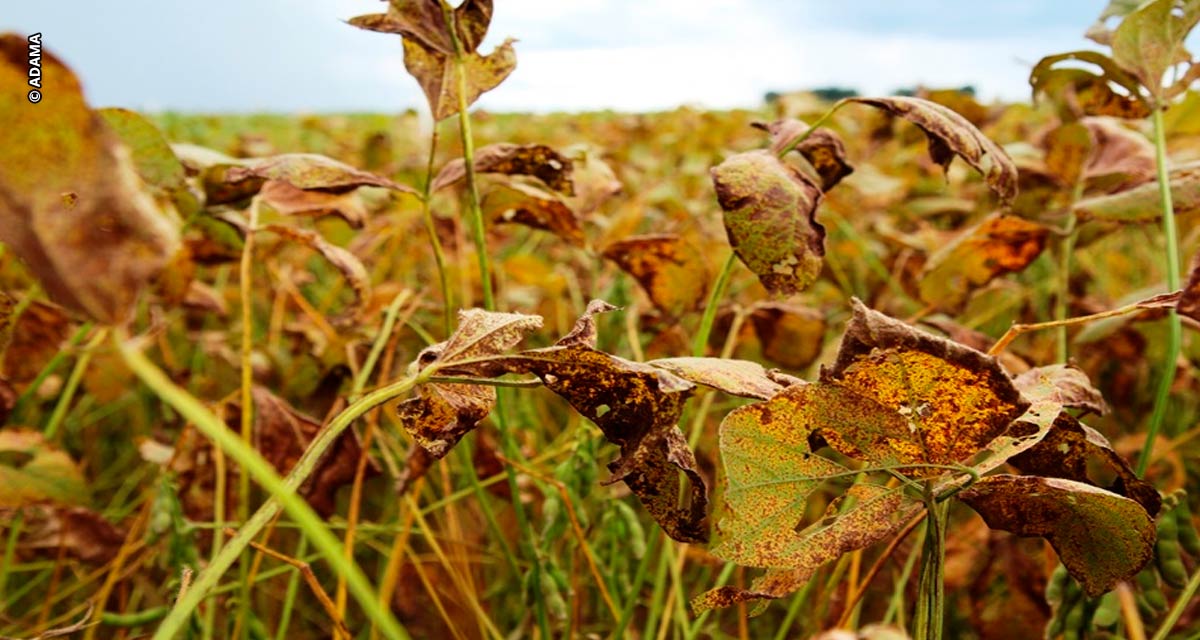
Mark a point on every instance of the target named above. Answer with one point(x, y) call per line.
point(572, 55)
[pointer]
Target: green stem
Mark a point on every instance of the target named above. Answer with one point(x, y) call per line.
point(246, 300)
point(809, 131)
point(1174, 327)
point(68, 392)
point(293, 588)
point(26, 396)
point(381, 340)
point(710, 310)
point(1181, 604)
point(931, 598)
point(439, 256)
point(1062, 300)
point(283, 491)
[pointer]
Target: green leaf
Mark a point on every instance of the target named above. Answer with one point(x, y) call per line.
point(1142, 203)
point(1150, 39)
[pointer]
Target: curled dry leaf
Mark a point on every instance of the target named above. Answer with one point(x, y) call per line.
point(282, 434)
point(996, 246)
point(1120, 158)
point(1083, 92)
point(37, 335)
point(1065, 452)
point(1101, 537)
point(293, 201)
point(347, 263)
point(1149, 41)
point(424, 21)
point(823, 149)
point(1142, 203)
point(1065, 384)
point(443, 413)
point(791, 335)
point(637, 407)
point(735, 377)
point(770, 217)
point(593, 180)
point(310, 171)
point(71, 204)
point(951, 134)
point(1189, 299)
point(670, 269)
point(536, 160)
point(534, 207)
point(435, 73)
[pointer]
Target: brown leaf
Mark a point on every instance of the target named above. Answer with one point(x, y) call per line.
point(998, 245)
point(637, 407)
point(82, 533)
point(33, 471)
point(1065, 452)
point(37, 335)
point(1101, 537)
point(1065, 384)
point(1189, 300)
point(791, 335)
point(347, 263)
point(1143, 202)
point(951, 134)
point(533, 207)
point(8, 400)
point(1068, 148)
point(594, 182)
point(310, 171)
point(71, 204)
point(537, 160)
point(770, 217)
point(436, 74)
point(735, 377)
point(291, 201)
point(670, 269)
point(1120, 158)
point(823, 149)
point(424, 21)
point(1083, 92)
point(282, 434)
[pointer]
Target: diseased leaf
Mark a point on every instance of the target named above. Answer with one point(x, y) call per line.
point(435, 73)
point(282, 434)
point(424, 21)
point(291, 201)
point(1189, 300)
point(736, 377)
point(533, 207)
point(1068, 147)
point(1149, 40)
point(594, 182)
point(38, 334)
point(770, 217)
point(954, 398)
point(1120, 159)
point(791, 335)
point(1083, 92)
point(71, 204)
point(33, 470)
point(996, 246)
point(637, 407)
point(350, 266)
point(1101, 537)
point(152, 156)
point(1068, 448)
point(670, 269)
point(949, 135)
point(1142, 203)
point(536, 160)
point(1099, 31)
point(823, 149)
point(1065, 384)
point(310, 171)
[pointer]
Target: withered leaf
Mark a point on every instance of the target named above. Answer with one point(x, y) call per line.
point(71, 204)
point(1065, 384)
point(443, 413)
point(1066, 451)
point(292, 201)
point(1101, 537)
point(152, 156)
point(435, 73)
point(33, 470)
point(534, 207)
point(770, 217)
point(1189, 300)
point(1150, 40)
point(735, 377)
point(81, 532)
point(1143, 203)
point(1068, 147)
point(637, 407)
point(951, 134)
point(594, 182)
point(282, 434)
point(791, 335)
point(424, 21)
point(537, 160)
point(670, 269)
point(958, 399)
point(998, 245)
point(38, 334)
point(347, 263)
point(310, 171)
point(823, 149)
point(1120, 158)
point(1084, 92)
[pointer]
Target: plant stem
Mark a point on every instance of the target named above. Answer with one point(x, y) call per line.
point(931, 599)
point(68, 392)
point(246, 299)
point(439, 256)
point(1174, 327)
point(1181, 603)
point(282, 491)
point(18, 412)
point(1062, 301)
point(710, 310)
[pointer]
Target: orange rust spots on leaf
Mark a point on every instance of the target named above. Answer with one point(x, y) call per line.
point(791, 335)
point(823, 149)
point(669, 268)
point(535, 207)
point(1101, 537)
point(998, 245)
point(1065, 384)
point(536, 160)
